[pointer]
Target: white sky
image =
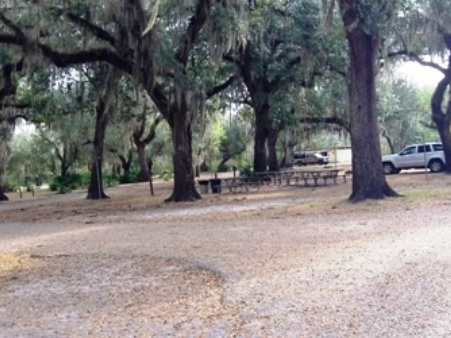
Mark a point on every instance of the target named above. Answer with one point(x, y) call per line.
point(419, 75)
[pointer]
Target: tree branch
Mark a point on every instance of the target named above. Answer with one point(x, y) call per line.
point(196, 23)
point(63, 59)
point(93, 29)
point(11, 25)
point(415, 57)
point(219, 88)
point(326, 120)
point(8, 87)
point(152, 132)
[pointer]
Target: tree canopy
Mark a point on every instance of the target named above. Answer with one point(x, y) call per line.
point(78, 67)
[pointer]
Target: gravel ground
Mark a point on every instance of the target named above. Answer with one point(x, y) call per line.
point(291, 263)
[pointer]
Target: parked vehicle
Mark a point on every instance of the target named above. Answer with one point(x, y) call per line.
point(425, 155)
point(305, 158)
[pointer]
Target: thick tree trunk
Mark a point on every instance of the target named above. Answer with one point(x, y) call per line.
point(103, 112)
point(368, 179)
point(64, 167)
point(141, 143)
point(126, 163)
point(144, 175)
point(445, 137)
point(261, 135)
point(443, 120)
point(184, 184)
point(3, 196)
point(389, 142)
point(288, 145)
point(273, 164)
point(95, 190)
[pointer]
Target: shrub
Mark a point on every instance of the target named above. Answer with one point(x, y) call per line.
point(246, 169)
point(223, 168)
point(132, 176)
point(166, 174)
point(204, 166)
point(65, 184)
point(109, 180)
point(10, 185)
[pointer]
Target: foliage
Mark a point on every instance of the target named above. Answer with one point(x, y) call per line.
point(131, 176)
point(245, 169)
point(400, 112)
point(10, 184)
point(65, 184)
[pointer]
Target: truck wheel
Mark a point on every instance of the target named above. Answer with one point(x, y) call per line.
point(388, 168)
point(436, 166)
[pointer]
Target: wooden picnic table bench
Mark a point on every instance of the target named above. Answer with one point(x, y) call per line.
point(242, 184)
point(308, 177)
point(314, 177)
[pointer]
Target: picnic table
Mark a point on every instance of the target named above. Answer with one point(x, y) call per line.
point(313, 177)
point(242, 184)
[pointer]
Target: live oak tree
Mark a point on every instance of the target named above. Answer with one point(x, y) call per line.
point(104, 110)
point(6, 133)
point(153, 43)
point(424, 35)
point(144, 133)
point(363, 23)
point(401, 115)
point(280, 55)
point(11, 66)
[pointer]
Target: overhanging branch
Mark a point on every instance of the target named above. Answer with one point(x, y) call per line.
point(219, 88)
point(327, 120)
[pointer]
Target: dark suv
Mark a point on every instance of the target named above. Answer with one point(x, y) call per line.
point(306, 158)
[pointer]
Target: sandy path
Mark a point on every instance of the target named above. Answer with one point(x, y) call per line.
point(248, 268)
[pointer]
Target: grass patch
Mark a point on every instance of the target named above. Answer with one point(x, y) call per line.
point(13, 263)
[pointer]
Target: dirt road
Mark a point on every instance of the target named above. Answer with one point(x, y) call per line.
point(282, 264)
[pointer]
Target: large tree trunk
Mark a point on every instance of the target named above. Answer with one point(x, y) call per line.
point(126, 162)
point(3, 196)
point(144, 174)
point(95, 190)
point(140, 143)
point(261, 135)
point(6, 134)
point(288, 145)
point(273, 164)
point(368, 179)
point(180, 123)
point(64, 166)
point(103, 112)
point(443, 120)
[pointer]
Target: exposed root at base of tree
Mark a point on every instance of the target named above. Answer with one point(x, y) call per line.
point(366, 194)
point(102, 196)
point(3, 197)
point(193, 197)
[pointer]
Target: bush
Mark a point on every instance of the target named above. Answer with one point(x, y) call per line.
point(223, 168)
point(109, 180)
point(65, 184)
point(204, 167)
point(132, 176)
point(166, 175)
point(10, 185)
point(246, 169)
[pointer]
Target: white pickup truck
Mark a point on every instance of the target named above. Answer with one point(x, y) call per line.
point(425, 155)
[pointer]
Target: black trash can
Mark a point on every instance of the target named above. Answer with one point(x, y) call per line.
point(203, 186)
point(215, 184)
